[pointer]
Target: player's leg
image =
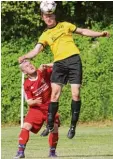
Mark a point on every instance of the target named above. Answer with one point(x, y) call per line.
point(58, 78)
point(75, 79)
point(23, 139)
point(75, 109)
point(53, 106)
point(32, 122)
point(53, 141)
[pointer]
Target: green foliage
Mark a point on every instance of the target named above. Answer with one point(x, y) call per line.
point(22, 18)
point(97, 86)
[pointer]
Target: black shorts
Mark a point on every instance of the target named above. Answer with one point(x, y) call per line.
point(69, 69)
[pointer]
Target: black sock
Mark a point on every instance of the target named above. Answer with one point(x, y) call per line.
point(75, 109)
point(52, 110)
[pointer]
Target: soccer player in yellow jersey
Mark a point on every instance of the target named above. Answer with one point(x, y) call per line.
point(67, 63)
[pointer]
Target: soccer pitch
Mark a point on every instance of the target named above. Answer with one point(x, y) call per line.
point(89, 143)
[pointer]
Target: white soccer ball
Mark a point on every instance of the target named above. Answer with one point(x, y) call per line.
point(48, 7)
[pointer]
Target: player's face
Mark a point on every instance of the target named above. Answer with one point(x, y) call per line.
point(49, 19)
point(28, 68)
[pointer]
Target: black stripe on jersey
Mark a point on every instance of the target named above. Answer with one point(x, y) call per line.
point(75, 30)
point(41, 44)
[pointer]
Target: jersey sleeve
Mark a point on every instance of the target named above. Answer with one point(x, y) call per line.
point(72, 27)
point(42, 40)
point(27, 92)
point(49, 72)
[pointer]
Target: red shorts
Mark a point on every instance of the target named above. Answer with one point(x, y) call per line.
point(37, 117)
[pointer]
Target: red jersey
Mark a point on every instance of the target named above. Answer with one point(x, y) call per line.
point(40, 87)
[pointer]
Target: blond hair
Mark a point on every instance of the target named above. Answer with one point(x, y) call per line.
point(21, 64)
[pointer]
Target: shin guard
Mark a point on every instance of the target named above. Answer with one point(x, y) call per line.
point(75, 109)
point(52, 110)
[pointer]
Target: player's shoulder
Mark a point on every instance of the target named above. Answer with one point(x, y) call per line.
point(44, 32)
point(45, 73)
point(26, 84)
point(39, 71)
point(65, 22)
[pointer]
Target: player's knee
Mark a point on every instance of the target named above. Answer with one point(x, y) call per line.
point(75, 89)
point(56, 91)
point(27, 126)
point(75, 96)
point(55, 96)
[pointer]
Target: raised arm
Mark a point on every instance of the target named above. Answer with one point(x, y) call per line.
point(45, 66)
point(91, 33)
point(48, 65)
point(38, 48)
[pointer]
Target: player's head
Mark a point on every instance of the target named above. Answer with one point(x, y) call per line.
point(27, 68)
point(48, 9)
point(49, 19)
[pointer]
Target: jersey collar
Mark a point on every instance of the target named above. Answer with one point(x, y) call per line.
point(33, 79)
point(52, 27)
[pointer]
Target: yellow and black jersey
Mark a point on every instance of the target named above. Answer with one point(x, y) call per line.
point(60, 40)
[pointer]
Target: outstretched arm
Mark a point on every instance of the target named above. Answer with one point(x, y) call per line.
point(38, 48)
point(91, 33)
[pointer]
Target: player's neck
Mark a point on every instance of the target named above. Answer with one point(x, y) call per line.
point(52, 26)
point(33, 76)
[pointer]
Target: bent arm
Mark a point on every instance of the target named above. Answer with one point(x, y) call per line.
point(38, 48)
point(91, 33)
point(48, 65)
point(34, 102)
point(45, 66)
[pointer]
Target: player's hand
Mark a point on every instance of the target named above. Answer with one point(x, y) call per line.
point(38, 100)
point(21, 59)
point(43, 67)
point(105, 34)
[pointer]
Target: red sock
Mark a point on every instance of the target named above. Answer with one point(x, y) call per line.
point(23, 139)
point(53, 140)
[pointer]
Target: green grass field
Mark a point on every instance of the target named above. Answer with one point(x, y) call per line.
point(89, 143)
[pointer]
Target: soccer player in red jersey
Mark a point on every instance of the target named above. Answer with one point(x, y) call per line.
point(37, 89)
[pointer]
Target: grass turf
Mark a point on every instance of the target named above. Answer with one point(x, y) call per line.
point(89, 143)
